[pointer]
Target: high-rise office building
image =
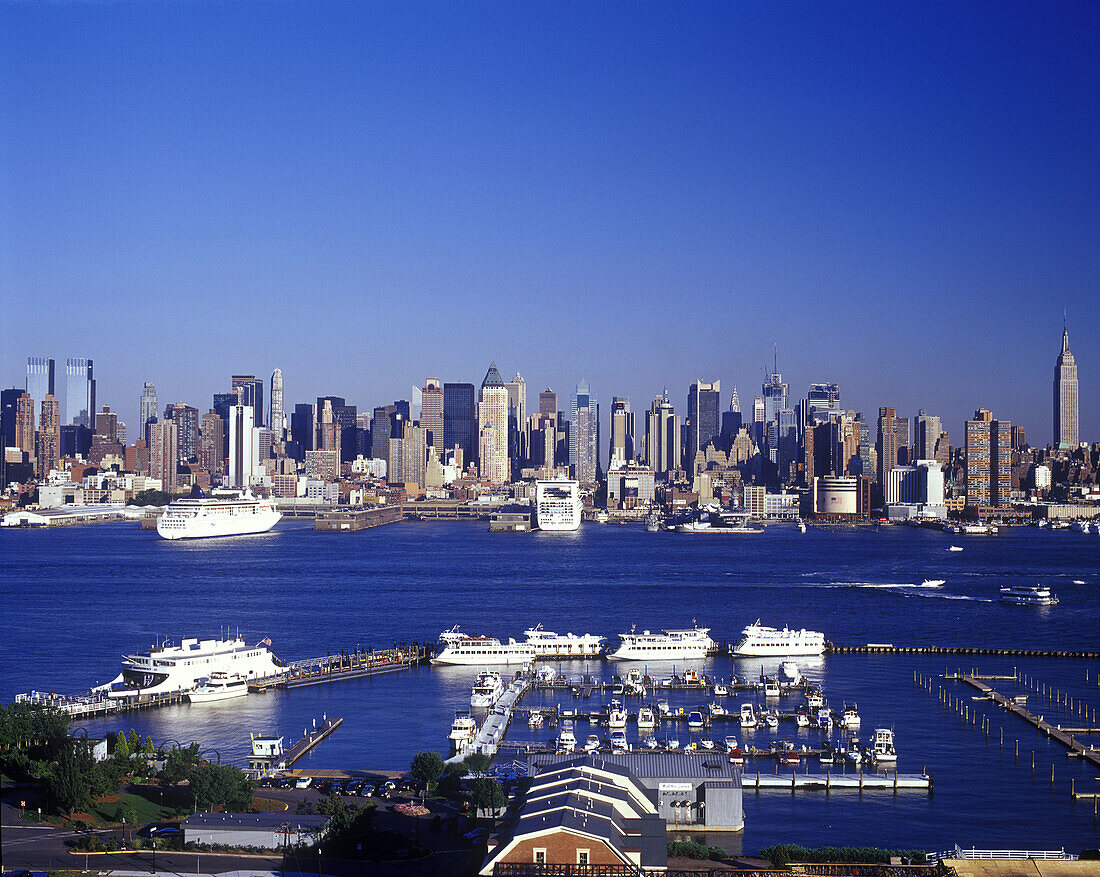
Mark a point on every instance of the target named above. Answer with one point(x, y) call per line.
point(277, 417)
point(584, 436)
point(774, 394)
point(1065, 395)
point(79, 392)
point(302, 430)
point(414, 455)
point(460, 426)
point(731, 421)
point(40, 380)
point(251, 394)
point(431, 413)
point(164, 453)
point(147, 410)
point(9, 409)
point(887, 443)
point(242, 449)
point(49, 436)
point(211, 443)
point(106, 426)
point(662, 436)
point(517, 423)
point(385, 424)
point(621, 446)
point(703, 423)
point(548, 402)
point(988, 461)
point(24, 424)
point(927, 430)
point(186, 419)
point(492, 417)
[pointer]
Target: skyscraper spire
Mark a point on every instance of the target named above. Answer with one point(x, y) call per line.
point(1065, 333)
point(1065, 394)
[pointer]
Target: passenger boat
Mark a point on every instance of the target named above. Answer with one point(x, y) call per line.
point(220, 686)
point(463, 731)
point(760, 641)
point(882, 751)
point(558, 505)
point(646, 719)
point(548, 644)
point(1028, 595)
point(227, 513)
point(695, 721)
point(486, 690)
point(748, 716)
point(170, 668)
point(668, 645)
point(462, 648)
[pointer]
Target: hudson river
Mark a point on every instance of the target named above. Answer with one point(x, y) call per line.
point(75, 600)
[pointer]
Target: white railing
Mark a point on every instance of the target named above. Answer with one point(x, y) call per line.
point(972, 853)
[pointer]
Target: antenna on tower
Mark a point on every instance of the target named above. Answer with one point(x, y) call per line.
point(775, 357)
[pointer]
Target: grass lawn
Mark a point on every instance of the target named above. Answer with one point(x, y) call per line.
point(145, 810)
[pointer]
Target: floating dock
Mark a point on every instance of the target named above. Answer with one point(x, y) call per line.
point(349, 520)
point(909, 782)
point(345, 665)
point(311, 739)
point(495, 726)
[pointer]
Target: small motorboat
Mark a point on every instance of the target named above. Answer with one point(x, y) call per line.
point(790, 755)
point(618, 741)
point(721, 690)
point(771, 720)
point(731, 743)
point(535, 719)
point(706, 743)
point(716, 709)
point(955, 548)
point(662, 707)
point(672, 743)
point(646, 718)
point(650, 742)
point(592, 744)
point(771, 687)
point(802, 718)
point(882, 747)
point(737, 757)
point(850, 719)
point(748, 716)
point(695, 721)
point(933, 583)
point(827, 752)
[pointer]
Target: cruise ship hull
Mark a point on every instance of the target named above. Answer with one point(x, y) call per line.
point(205, 527)
point(484, 658)
point(654, 656)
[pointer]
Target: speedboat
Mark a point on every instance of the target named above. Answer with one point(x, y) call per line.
point(827, 752)
point(695, 721)
point(933, 583)
point(748, 716)
point(706, 743)
point(720, 690)
point(955, 548)
point(771, 687)
point(592, 744)
point(771, 720)
point(650, 742)
point(616, 719)
point(716, 709)
point(802, 718)
point(882, 747)
point(731, 743)
point(646, 719)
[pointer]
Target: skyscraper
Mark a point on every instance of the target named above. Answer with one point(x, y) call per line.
point(242, 454)
point(252, 394)
point(988, 461)
point(517, 422)
point(164, 453)
point(731, 421)
point(774, 394)
point(79, 392)
point(662, 436)
point(621, 447)
point(584, 436)
point(277, 423)
point(1065, 395)
point(186, 419)
point(492, 417)
point(148, 410)
point(927, 430)
point(301, 429)
point(702, 411)
point(211, 450)
point(460, 427)
point(40, 379)
point(887, 444)
point(24, 424)
point(49, 436)
point(9, 408)
point(548, 402)
point(431, 413)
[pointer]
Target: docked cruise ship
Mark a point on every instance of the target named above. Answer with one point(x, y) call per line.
point(558, 505)
point(462, 648)
point(228, 513)
point(668, 645)
point(555, 645)
point(758, 640)
point(170, 668)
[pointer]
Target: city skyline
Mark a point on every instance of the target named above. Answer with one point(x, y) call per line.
point(903, 201)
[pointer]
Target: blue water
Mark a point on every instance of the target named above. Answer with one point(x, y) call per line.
point(76, 599)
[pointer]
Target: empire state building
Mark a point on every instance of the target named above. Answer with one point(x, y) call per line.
point(1065, 396)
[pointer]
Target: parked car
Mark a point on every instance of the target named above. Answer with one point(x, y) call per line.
point(160, 829)
point(303, 782)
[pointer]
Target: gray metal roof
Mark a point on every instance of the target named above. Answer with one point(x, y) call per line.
point(653, 765)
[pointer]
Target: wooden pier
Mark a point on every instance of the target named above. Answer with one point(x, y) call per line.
point(891, 649)
point(1076, 748)
point(311, 739)
point(345, 665)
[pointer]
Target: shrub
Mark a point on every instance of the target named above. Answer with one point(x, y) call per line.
point(689, 849)
point(782, 855)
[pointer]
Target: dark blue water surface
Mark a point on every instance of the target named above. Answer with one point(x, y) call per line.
point(75, 600)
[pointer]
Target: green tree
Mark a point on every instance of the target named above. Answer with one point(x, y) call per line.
point(134, 741)
point(69, 784)
point(427, 767)
point(147, 748)
point(451, 781)
point(221, 785)
point(179, 763)
point(477, 762)
point(487, 793)
point(122, 748)
point(126, 813)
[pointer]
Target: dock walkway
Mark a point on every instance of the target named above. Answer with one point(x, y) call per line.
point(829, 781)
point(1076, 747)
point(311, 739)
point(492, 730)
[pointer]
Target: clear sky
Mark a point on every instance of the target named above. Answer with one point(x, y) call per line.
point(902, 196)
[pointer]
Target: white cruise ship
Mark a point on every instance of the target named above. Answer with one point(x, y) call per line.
point(230, 514)
point(668, 645)
point(558, 505)
point(168, 668)
point(758, 640)
point(461, 648)
point(548, 644)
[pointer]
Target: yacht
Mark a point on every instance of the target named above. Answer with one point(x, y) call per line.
point(558, 505)
point(170, 668)
point(825, 718)
point(758, 640)
point(748, 716)
point(771, 687)
point(1028, 595)
point(567, 740)
point(618, 741)
point(646, 718)
point(882, 751)
point(668, 645)
point(461, 648)
point(463, 731)
point(227, 513)
point(548, 644)
point(695, 721)
point(789, 673)
point(592, 744)
point(220, 686)
point(616, 718)
point(814, 700)
point(487, 690)
point(850, 720)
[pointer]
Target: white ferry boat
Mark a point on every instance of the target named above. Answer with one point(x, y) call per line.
point(758, 640)
point(668, 645)
point(228, 513)
point(220, 686)
point(558, 505)
point(548, 644)
point(168, 668)
point(1028, 595)
point(461, 648)
point(486, 691)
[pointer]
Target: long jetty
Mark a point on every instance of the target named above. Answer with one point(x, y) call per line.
point(311, 739)
point(1076, 747)
point(345, 665)
point(891, 649)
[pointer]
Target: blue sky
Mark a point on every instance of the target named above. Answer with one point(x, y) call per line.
point(902, 197)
